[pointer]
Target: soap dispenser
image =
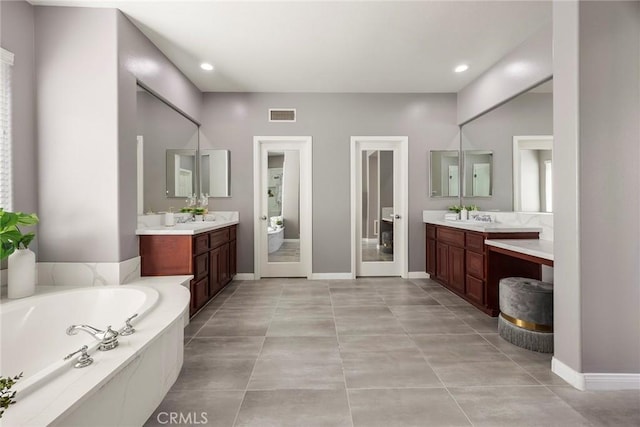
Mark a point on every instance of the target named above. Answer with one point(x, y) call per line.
point(464, 214)
point(169, 218)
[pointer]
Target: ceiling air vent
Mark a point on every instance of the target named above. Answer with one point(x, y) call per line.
point(282, 114)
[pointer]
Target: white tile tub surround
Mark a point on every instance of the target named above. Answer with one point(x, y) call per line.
point(125, 385)
point(88, 274)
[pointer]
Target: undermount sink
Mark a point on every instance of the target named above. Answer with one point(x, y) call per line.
point(469, 221)
point(192, 225)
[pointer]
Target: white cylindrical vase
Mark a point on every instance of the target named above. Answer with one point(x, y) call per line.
point(22, 273)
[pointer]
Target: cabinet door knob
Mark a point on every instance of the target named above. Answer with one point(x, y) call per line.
point(396, 216)
point(263, 217)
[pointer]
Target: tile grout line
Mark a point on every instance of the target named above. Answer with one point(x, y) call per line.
point(246, 388)
point(344, 376)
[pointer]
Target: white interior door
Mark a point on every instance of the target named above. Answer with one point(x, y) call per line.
point(385, 159)
point(282, 188)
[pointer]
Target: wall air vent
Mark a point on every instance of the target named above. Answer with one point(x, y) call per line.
point(282, 114)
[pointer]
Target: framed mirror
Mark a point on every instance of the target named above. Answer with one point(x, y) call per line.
point(445, 173)
point(214, 173)
point(477, 173)
point(489, 139)
point(181, 173)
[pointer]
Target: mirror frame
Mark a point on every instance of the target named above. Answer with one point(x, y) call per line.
point(227, 160)
point(169, 167)
point(464, 174)
point(431, 180)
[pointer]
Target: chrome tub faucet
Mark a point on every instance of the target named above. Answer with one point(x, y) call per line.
point(108, 339)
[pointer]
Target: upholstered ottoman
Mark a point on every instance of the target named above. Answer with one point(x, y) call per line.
point(526, 313)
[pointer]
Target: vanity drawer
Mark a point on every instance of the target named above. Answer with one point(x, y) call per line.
point(475, 241)
point(475, 289)
point(431, 231)
point(475, 264)
point(200, 244)
point(201, 266)
point(452, 237)
point(218, 238)
point(232, 233)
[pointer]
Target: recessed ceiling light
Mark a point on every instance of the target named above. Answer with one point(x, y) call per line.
point(460, 68)
point(206, 66)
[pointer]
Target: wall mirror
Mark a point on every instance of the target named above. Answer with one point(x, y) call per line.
point(445, 175)
point(214, 173)
point(167, 143)
point(477, 173)
point(528, 115)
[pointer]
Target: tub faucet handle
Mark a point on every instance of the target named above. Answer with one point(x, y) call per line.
point(109, 340)
point(84, 360)
point(128, 328)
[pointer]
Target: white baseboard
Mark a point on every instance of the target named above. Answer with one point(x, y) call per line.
point(568, 374)
point(595, 381)
point(612, 381)
point(244, 276)
point(417, 275)
point(331, 276)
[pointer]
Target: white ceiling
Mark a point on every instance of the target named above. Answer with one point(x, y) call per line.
point(332, 46)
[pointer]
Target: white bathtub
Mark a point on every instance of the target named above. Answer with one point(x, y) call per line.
point(124, 385)
point(276, 237)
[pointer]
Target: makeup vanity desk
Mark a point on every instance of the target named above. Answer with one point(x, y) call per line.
point(470, 258)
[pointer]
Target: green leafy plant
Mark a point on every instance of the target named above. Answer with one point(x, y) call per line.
point(11, 238)
point(473, 208)
point(278, 222)
point(186, 210)
point(199, 211)
point(455, 208)
point(6, 395)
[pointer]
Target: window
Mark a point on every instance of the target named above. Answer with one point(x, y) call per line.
point(6, 184)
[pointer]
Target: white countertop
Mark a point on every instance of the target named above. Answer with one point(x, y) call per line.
point(534, 247)
point(188, 228)
point(484, 227)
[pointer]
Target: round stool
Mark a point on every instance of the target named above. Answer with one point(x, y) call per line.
point(526, 317)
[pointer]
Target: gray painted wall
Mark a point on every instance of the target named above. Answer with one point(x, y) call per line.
point(609, 106)
point(526, 66)
point(77, 86)
point(596, 129)
point(527, 114)
point(230, 120)
point(17, 36)
point(566, 238)
point(86, 83)
point(140, 60)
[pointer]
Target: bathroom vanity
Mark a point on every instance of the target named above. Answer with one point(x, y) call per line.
point(205, 250)
point(457, 257)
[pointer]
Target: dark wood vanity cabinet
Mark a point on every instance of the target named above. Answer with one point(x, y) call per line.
point(210, 257)
point(457, 259)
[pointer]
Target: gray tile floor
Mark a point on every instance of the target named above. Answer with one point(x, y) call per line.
point(369, 352)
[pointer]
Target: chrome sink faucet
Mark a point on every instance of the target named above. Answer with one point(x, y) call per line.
point(108, 339)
